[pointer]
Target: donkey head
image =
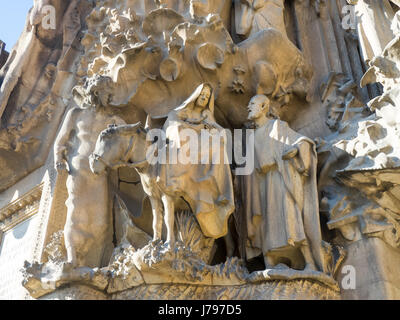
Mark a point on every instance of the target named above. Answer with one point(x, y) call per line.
point(116, 146)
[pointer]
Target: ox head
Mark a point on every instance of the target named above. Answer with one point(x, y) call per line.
point(280, 68)
point(199, 8)
point(116, 146)
point(301, 87)
point(245, 11)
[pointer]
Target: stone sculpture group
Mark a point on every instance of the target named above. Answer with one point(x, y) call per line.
point(156, 90)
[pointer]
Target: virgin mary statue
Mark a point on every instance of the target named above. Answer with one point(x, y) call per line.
point(204, 181)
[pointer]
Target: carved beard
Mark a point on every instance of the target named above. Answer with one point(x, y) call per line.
point(254, 115)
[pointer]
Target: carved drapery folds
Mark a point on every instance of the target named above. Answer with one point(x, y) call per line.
point(326, 149)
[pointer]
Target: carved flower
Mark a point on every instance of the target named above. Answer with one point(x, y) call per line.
point(238, 86)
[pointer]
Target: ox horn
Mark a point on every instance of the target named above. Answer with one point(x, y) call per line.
point(149, 124)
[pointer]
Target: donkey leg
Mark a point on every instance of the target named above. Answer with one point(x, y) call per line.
point(169, 218)
point(156, 206)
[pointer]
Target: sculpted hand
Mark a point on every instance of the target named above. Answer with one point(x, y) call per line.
point(295, 155)
point(303, 171)
point(195, 120)
point(290, 154)
point(208, 126)
point(305, 155)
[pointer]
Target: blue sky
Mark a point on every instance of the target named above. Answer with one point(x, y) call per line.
point(12, 20)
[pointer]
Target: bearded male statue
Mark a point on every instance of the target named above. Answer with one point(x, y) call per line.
point(280, 197)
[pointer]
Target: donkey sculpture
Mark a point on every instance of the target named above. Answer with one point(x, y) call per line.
point(127, 145)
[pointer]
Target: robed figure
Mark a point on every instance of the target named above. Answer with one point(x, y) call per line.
point(207, 186)
point(280, 197)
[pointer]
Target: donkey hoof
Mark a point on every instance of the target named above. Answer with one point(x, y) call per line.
point(155, 242)
point(169, 246)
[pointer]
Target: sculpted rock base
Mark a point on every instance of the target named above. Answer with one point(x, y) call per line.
point(41, 279)
point(76, 292)
point(155, 264)
point(158, 271)
point(154, 273)
point(273, 290)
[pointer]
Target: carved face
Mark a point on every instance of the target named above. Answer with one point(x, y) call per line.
point(104, 97)
point(257, 107)
point(96, 92)
point(204, 97)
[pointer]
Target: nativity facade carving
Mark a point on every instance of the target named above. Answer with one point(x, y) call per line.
point(230, 146)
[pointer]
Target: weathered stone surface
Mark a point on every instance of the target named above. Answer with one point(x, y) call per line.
point(376, 275)
point(274, 290)
point(31, 109)
point(118, 84)
point(3, 54)
point(277, 290)
point(76, 292)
